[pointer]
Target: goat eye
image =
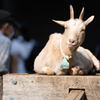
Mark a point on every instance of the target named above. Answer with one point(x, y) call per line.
point(66, 27)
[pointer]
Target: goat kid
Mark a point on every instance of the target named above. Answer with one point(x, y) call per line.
point(63, 53)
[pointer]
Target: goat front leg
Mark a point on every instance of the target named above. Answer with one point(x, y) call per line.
point(46, 71)
point(77, 71)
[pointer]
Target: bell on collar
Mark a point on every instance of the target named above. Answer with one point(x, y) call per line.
point(64, 64)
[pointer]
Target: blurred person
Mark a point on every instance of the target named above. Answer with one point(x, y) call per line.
point(20, 50)
point(7, 24)
point(34, 52)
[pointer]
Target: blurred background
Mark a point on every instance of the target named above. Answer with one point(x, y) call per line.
point(39, 14)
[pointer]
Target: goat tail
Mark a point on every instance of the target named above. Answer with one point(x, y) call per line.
point(95, 61)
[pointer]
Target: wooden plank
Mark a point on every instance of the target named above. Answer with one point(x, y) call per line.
point(81, 95)
point(76, 95)
point(43, 87)
point(98, 74)
point(17, 74)
point(1, 87)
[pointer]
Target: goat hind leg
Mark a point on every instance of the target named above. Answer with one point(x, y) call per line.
point(74, 71)
point(82, 72)
point(77, 71)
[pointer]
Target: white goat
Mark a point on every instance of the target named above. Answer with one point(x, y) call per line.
point(63, 54)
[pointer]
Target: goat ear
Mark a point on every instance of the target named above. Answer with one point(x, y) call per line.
point(62, 23)
point(89, 20)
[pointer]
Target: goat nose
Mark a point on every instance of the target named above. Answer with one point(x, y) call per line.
point(71, 41)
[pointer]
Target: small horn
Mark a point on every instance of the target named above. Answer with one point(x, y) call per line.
point(62, 23)
point(81, 14)
point(71, 12)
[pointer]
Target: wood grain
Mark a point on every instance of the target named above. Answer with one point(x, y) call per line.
point(76, 95)
point(43, 87)
point(1, 87)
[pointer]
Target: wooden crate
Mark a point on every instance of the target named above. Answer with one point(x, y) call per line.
point(1, 87)
point(43, 87)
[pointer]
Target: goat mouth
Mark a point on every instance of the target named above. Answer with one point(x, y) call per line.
point(71, 45)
